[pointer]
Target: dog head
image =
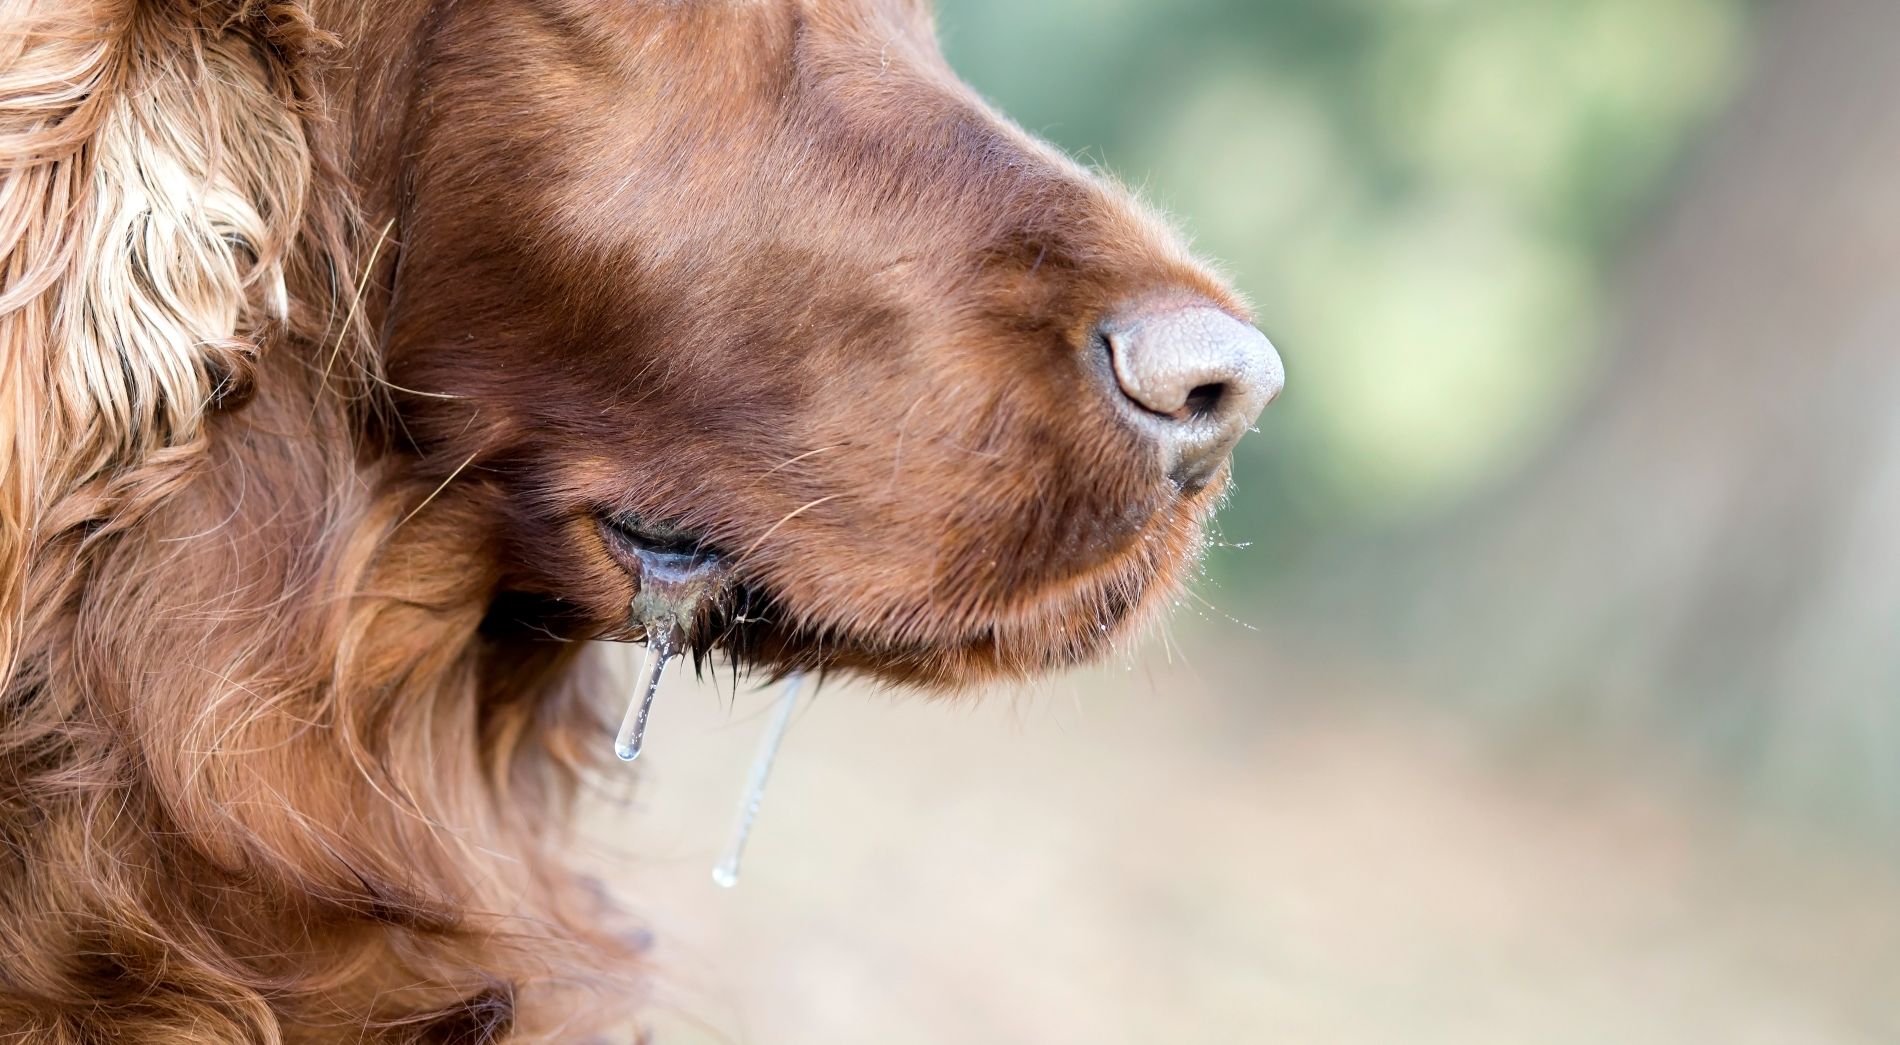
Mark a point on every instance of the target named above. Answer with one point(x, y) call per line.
point(754, 291)
point(763, 289)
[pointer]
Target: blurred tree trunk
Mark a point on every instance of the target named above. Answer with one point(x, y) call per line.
point(1717, 541)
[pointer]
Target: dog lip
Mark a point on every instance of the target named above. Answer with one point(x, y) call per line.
point(748, 617)
point(680, 578)
point(648, 537)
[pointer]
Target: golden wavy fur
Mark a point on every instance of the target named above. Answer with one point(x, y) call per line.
point(204, 626)
point(331, 334)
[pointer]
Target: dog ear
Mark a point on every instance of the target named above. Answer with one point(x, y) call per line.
point(155, 164)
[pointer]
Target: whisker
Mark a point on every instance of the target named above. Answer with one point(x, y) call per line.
point(356, 302)
point(787, 517)
point(1231, 619)
point(387, 383)
point(432, 494)
point(800, 457)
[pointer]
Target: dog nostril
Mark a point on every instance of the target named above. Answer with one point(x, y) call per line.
point(1204, 399)
point(1192, 378)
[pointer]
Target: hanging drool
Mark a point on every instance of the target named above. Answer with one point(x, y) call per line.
point(678, 592)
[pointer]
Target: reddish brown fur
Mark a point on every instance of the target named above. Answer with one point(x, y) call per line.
point(292, 718)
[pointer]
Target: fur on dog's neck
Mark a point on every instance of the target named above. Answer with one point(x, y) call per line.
point(262, 777)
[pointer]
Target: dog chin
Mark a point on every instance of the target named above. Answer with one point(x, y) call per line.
point(1066, 625)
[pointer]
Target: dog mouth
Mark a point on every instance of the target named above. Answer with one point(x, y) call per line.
point(685, 588)
point(693, 596)
point(689, 597)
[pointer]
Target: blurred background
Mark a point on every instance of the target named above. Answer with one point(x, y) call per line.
point(1544, 685)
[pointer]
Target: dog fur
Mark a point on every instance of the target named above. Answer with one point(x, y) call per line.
point(330, 333)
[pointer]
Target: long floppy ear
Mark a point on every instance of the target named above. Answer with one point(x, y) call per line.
point(155, 164)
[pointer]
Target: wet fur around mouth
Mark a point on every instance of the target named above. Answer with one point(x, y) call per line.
point(760, 635)
point(757, 635)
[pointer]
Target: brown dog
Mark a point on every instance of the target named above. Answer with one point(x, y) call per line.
point(358, 357)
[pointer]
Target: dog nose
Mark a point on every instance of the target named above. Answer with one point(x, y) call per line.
point(1195, 379)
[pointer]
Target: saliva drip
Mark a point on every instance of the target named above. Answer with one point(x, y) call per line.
point(662, 646)
point(676, 590)
point(726, 873)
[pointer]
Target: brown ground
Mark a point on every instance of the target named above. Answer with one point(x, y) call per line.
point(1124, 857)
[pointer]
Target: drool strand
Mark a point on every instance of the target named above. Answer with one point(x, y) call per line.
point(726, 873)
point(661, 648)
point(677, 592)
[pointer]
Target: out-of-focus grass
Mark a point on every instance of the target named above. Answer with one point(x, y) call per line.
point(1421, 196)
